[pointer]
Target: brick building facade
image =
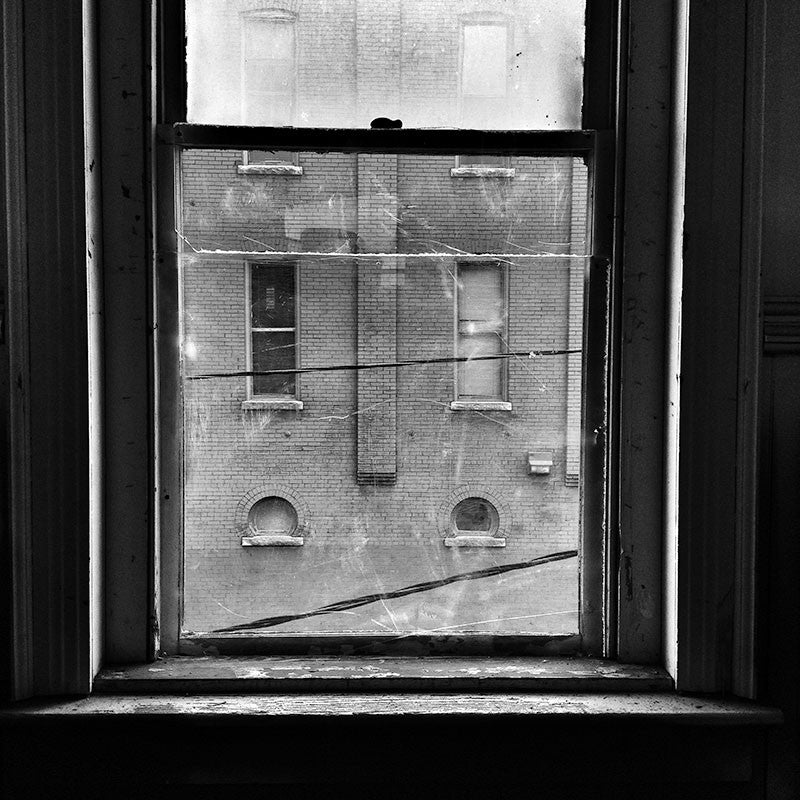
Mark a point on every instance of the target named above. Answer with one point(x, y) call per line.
point(311, 488)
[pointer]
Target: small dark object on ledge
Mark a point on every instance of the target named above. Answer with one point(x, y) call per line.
point(385, 122)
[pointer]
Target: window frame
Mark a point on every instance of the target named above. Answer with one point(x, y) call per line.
point(501, 401)
point(642, 97)
point(289, 402)
point(596, 146)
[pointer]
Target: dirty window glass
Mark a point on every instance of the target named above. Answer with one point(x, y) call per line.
point(500, 64)
point(382, 353)
point(375, 355)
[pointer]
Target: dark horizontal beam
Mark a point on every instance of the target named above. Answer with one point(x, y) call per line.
point(395, 140)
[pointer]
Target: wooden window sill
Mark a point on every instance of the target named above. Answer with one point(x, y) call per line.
point(580, 708)
point(243, 674)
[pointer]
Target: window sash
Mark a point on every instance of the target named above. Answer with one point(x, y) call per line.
point(594, 147)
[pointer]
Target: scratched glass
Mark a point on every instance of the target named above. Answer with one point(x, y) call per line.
point(382, 368)
point(499, 64)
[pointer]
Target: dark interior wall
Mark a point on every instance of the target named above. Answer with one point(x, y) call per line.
point(780, 397)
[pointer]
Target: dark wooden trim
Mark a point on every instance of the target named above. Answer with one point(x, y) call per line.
point(346, 140)
point(781, 325)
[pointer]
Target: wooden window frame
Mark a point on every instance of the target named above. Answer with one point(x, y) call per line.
point(669, 589)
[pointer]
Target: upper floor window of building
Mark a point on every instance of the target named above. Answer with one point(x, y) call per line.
point(484, 74)
point(273, 331)
point(268, 70)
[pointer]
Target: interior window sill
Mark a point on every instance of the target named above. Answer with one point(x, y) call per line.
point(480, 405)
point(578, 708)
point(210, 674)
point(269, 169)
point(272, 404)
point(483, 172)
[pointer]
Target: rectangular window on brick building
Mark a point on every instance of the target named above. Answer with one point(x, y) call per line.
point(268, 80)
point(268, 70)
point(481, 332)
point(484, 73)
point(273, 343)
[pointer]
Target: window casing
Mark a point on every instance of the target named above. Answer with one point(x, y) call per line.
point(639, 475)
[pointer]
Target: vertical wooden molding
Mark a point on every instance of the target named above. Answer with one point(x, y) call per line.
point(710, 355)
point(94, 278)
point(124, 91)
point(56, 237)
point(18, 365)
point(744, 623)
point(677, 194)
point(642, 251)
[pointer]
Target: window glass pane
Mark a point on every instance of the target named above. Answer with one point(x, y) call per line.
point(484, 160)
point(382, 272)
point(503, 64)
point(272, 295)
point(269, 39)
point(485, 69)
point(480, 379)
point(270, 157)
point(273, 351)
point(480, 296)
point(269, 75)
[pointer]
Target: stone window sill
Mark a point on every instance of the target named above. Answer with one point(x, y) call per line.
point(272, 540)
point(483, 172)
point(272, 404)
point(480, 405)
point(469, 540)
point(269, 169)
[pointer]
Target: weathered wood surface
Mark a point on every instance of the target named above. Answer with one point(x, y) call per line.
point(334, 673)
point(634, 708)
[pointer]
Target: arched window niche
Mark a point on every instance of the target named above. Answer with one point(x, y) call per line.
point(273, 521)
point(475, 520)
